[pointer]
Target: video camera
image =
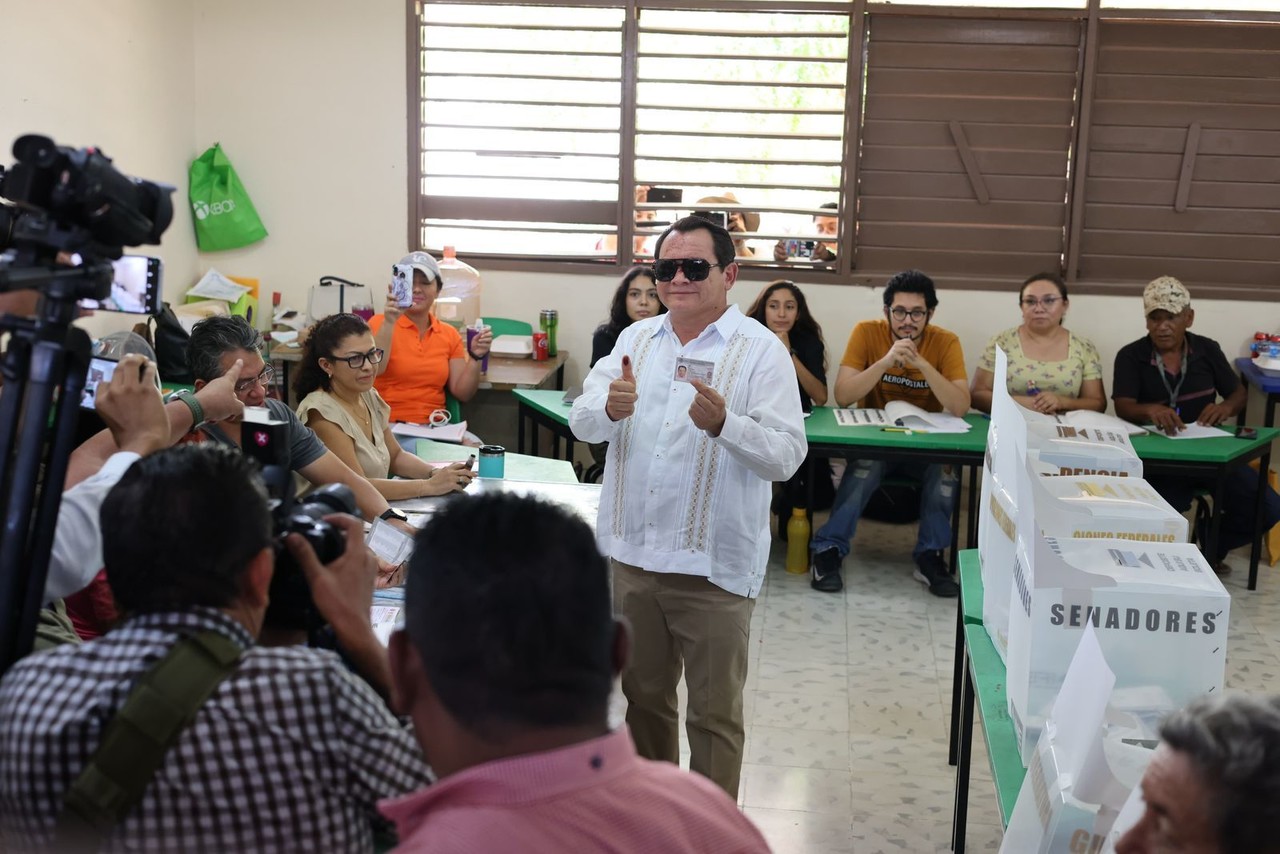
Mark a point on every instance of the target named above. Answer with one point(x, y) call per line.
point(60, 201)
point(73, 200)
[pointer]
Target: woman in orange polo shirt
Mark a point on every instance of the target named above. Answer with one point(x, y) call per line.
point(425, 356)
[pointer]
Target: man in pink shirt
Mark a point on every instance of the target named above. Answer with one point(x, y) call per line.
point(506, 665)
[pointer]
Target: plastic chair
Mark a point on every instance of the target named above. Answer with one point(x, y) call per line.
point(453, 407)
point(507, 326)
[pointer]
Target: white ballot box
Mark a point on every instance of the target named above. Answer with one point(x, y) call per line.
point(1105, 507)
point(1087, 761)
point(1159, 611)
point(1061, 449)
point(997, 547)
point(1069, 507)
point(1003, 469)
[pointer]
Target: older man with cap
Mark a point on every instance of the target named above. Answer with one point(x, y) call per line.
point(425, 356)
point(1172, 377)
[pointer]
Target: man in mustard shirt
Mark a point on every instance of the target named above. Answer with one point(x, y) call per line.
point(900, 357)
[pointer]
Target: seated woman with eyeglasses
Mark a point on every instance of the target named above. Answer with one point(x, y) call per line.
point(1051, 369)
point(339, 402)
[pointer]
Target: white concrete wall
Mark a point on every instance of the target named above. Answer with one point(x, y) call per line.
point(308, 100)
point(116, 75)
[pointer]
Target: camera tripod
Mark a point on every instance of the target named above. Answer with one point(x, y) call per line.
point(44, 373)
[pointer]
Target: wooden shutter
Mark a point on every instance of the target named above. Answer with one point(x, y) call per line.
point(965, 143)
point(1183, 176)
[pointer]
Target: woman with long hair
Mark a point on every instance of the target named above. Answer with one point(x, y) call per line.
point(782, 308)
point(1051, 369)
point(635, 298)
point(338, 401)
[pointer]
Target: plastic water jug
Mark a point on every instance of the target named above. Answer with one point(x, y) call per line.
point(461, 280)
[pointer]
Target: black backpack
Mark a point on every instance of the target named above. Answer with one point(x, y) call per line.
point(169, 340)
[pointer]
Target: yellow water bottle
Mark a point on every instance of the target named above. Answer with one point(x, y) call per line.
point(798, 542)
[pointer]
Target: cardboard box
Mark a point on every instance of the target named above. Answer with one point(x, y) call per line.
point(1060, 449)
point(1159, 611)
point(246, 306)
point(193, 312)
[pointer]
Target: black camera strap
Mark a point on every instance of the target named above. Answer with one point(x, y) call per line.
point(135, 743)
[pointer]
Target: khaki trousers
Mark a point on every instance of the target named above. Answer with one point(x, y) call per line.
point(685, 620)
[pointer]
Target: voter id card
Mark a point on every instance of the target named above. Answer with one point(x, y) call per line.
point(688, 370)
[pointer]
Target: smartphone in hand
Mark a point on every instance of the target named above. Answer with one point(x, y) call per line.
point(402, 284)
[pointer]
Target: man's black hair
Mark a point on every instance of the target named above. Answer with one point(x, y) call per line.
point(911, 282)
point(180, 527)
point(720, 239)
point(508, 606)
point(213, 338)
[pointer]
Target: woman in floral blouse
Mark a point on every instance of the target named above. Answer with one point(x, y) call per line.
point(1051, 369)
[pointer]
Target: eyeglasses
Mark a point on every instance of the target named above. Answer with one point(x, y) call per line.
point(263, 379)
point(1047, 302)
point(357, 361)
point(695, 269)
point(916, 314)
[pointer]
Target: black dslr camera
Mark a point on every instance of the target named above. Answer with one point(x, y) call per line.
point(291, 607)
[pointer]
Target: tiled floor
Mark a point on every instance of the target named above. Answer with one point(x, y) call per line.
point(848, 702)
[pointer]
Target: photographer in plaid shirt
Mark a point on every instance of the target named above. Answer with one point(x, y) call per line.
point(290, 752)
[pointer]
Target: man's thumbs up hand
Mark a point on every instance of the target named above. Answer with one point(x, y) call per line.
point(622, 393)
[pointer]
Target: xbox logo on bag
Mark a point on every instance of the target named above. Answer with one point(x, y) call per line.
point(204, 209)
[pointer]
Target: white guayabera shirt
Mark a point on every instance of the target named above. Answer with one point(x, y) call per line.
point(674, 498)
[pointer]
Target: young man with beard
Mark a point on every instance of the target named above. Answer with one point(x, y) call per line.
point(900, 357)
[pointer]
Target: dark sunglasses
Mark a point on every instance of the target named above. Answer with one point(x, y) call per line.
point(357, 361)
point(695, 269)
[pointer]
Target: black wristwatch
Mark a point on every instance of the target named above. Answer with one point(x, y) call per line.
point(392, 513)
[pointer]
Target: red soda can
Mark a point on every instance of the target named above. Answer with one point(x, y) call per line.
point(539, 346)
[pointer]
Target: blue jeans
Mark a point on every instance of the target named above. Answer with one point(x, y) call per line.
point(938, 487)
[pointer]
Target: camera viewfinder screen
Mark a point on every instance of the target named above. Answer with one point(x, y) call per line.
point(135, 288)
point(100, 371)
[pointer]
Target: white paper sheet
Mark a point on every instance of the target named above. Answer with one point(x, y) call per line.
point(1192, 431)
point(441, 433)
point(389, 542)
point(214, 285)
